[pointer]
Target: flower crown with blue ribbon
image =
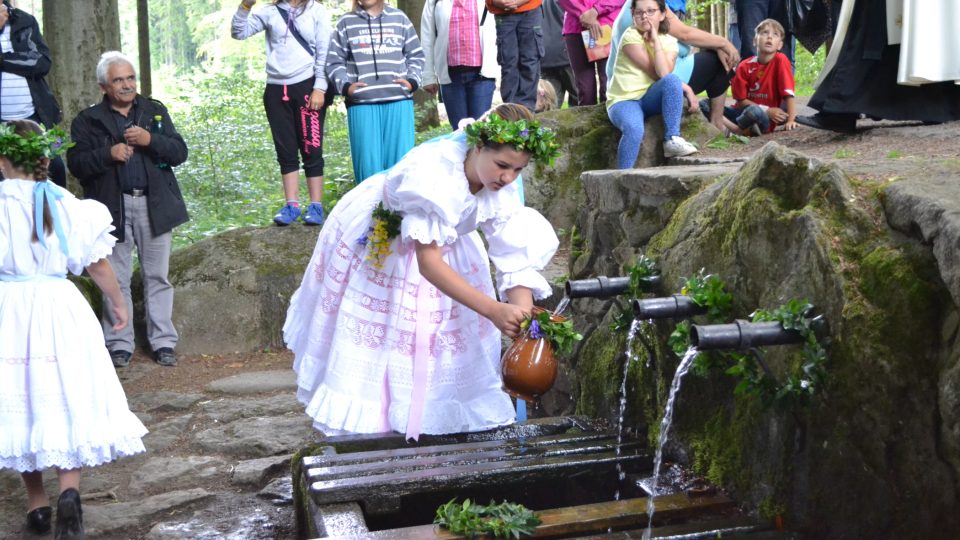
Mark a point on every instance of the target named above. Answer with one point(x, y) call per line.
point(524, 135)
point(25, 149)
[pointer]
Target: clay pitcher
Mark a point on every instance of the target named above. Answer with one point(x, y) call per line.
point(529, 366)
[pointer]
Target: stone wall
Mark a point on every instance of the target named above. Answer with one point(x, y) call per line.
point(875, 455)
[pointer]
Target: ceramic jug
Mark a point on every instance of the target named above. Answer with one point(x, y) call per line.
point(529, 366)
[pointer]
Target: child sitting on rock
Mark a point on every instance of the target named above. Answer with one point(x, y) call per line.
point(763, 87)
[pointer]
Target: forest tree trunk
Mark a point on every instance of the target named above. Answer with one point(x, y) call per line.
point(143, 41)
point(77, 33)
point(426, 104)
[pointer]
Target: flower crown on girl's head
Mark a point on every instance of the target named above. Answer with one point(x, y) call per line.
point(524, 135)
point(24, 150)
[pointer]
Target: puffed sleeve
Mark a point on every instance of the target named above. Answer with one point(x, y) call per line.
point(432, 195)
point(520, 246)
point(90, 239)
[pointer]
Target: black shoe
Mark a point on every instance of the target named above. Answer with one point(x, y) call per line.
point(120, 358)
point(38, 519)
point(840, 123)
point(69, 516)
point(165, 357)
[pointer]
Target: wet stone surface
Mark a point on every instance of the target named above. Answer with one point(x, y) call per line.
point(217, 466)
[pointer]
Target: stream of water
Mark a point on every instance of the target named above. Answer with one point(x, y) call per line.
point(682, 369)
point(634, 329)
point(562, 305)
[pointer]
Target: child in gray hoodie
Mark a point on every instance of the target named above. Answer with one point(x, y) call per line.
point(375, 61)
point(298, 35)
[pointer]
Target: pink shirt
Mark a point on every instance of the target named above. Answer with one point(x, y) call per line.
point(464, 46)
point(607, 11)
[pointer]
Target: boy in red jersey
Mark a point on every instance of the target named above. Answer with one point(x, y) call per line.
point(763, 87)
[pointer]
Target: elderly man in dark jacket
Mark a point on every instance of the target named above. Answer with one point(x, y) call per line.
point(124, 161)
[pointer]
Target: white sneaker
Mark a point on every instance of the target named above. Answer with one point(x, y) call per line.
point(676, 147)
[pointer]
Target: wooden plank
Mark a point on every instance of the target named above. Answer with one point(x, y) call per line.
point(465, 476)
point(503, 454)
point(417, 452)
point(584, 519)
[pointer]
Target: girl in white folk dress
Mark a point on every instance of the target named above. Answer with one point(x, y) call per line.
point(397, 326)
point(61, 404)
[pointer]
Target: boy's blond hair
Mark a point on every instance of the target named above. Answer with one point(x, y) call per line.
point(546, 96)
point(772, 24)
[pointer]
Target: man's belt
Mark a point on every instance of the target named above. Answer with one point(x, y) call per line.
point(135, 192)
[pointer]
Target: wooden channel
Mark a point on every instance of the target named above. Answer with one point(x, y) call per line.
point(578, 521)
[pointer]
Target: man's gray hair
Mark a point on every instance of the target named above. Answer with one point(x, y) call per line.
point(108, 59)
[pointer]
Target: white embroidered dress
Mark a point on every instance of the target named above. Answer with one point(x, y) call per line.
point(383, 349)
point(61, 403)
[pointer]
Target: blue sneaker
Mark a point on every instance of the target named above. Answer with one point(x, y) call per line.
point(314, 214)
point(287, 215)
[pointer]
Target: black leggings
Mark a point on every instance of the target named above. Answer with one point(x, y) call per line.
point(708, 74)
point(295, 128)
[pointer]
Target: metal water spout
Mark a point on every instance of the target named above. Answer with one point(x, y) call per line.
point(605, 287)
point(744, 335)
point(678, 306)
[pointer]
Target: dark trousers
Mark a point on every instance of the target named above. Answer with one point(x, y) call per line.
point(749, 14)
point(708, 74)
point(519, 50)
point(562, 80)
point(295, 128)
point(468, 95)
point(586, 72)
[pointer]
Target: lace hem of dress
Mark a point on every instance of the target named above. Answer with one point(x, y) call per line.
point(75, 458)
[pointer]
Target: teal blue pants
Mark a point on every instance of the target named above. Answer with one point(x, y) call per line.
point(380, 134)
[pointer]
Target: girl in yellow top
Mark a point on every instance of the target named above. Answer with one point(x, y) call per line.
point(643, 84)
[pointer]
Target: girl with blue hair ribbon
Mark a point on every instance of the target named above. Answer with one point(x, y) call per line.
point(63, 406)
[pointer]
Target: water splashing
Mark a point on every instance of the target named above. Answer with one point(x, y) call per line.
point(682, 370)
point(564, 302)
point(634, 330)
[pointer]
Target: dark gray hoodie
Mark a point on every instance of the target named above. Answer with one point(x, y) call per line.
point(376, 51)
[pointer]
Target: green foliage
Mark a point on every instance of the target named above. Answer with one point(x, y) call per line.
point(640, 273)
point(722, 142)
point(894, 154)
point(232, 178)
point(707, 291)
point(525, 136)
point(504, 520)
point(808, 67)
point(810, 374)
point(560, 333)
point(844, 153)
point(25, 150)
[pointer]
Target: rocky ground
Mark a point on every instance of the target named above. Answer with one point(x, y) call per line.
point(222, 428)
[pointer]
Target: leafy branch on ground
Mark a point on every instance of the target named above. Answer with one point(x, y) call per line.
point(504, 520)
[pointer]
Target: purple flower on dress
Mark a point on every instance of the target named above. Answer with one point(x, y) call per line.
point(363, 240)
point(535, 331)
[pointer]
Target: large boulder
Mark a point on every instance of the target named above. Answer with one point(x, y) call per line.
point(588, 142)
point(875, 455)
point(233, 289)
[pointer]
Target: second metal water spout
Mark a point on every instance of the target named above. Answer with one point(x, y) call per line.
point(604, 287)
point(678, 306)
